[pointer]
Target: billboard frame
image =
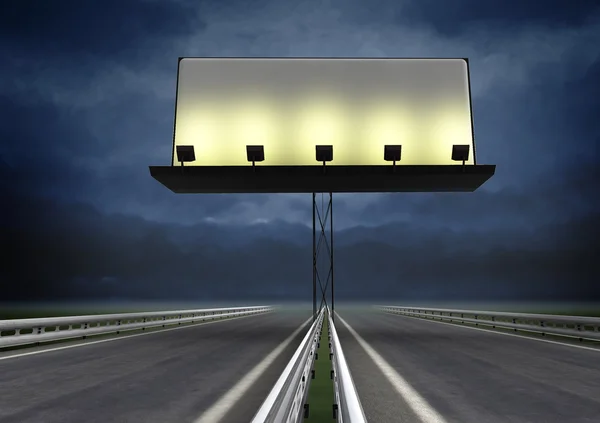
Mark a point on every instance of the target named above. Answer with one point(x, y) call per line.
point(311, 178)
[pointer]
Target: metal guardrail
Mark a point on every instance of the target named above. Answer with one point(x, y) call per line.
point(16, 332)
point(579, 327)
point(286, 400)
point(348, 404)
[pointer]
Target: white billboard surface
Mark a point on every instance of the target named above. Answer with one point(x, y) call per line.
point(291, 105)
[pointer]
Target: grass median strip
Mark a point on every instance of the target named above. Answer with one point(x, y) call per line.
point(320, 392)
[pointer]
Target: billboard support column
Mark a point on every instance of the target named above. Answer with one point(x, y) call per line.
point(314, 202)
point(324, 217)
point(331, 251)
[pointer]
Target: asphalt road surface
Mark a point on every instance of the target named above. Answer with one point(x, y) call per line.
point(164, 376)
point(467, 375)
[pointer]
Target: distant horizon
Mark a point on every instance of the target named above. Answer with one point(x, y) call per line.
point(491, 305)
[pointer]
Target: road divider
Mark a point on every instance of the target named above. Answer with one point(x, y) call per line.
point(299, 392)
point(285, 402)
point(19, 332)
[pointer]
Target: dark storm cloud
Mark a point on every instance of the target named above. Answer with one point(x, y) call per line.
point(544, 125)
point(565, 193)
point(581, 98)
point(45, 148)
point(71, 30)
point(457, 17)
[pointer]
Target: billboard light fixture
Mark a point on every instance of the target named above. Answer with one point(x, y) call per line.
point(324, 154)
point(185, 153)
point(255, 153)
point(460, 153)
point(392, 153)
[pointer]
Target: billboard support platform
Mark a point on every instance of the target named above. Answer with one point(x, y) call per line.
point(309, 179)
point(263, 125)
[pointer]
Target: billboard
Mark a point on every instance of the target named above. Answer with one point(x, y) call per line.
point(290, 105)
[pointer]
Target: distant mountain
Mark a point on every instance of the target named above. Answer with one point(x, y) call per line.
point(67, 251)
point(238, 236)
point(396, 234)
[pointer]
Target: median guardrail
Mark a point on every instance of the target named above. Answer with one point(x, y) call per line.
point(285, 402)
point(349, 409)
point(15, 332)
point(580, 327)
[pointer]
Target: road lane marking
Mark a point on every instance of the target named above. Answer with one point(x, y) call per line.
point(122, 337)
point(423, 410)
point(227, 402)
point(516, 335)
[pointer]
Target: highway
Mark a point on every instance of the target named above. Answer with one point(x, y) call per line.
point(164, 376)
point(449, 373)
point(405, 370)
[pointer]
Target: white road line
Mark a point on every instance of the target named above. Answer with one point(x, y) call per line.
point(456, 325)
point(218, 410)
point(425, 412)
point(119, 338)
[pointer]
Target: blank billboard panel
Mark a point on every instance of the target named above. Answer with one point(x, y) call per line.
point(291, 105)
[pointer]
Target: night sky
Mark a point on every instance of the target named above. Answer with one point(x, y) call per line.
point(87, 102)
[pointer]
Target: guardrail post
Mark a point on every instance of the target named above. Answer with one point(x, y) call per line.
point(542, 325)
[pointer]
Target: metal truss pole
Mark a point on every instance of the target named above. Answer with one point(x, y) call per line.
point(314, 204)
point(325, 217)
point(331, 253)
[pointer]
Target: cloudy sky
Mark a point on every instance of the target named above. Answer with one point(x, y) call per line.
point(87, 100)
